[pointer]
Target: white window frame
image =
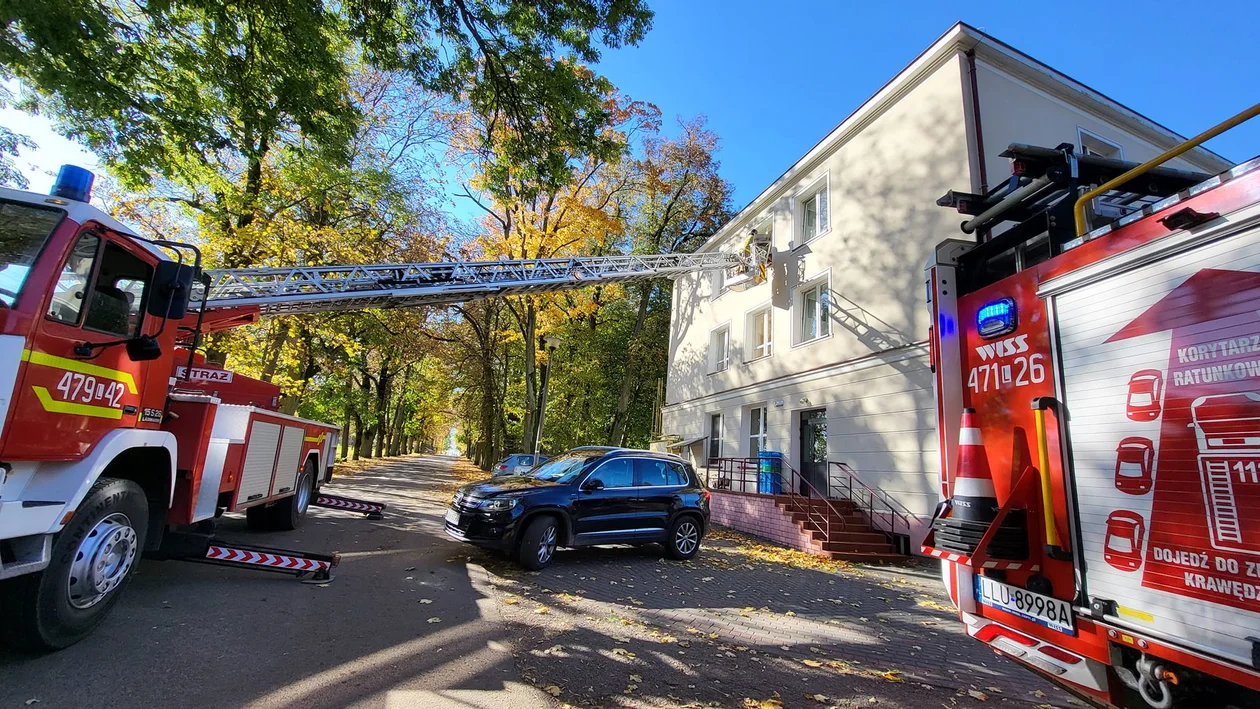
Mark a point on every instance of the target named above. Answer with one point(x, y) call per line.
point(717, 364)
point(760, 419)
point(820, 185)
point(821, 282)
point(754, 352)
point(1082, 134)
point(714, 440)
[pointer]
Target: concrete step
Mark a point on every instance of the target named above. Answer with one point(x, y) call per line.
point(857, 547)
point(859, 536)
point(855, 523)
point(863, 556)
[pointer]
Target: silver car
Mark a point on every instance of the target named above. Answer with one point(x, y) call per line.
point(516, 464)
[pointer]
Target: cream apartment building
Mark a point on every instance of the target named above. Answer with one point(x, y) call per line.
point(827, 360)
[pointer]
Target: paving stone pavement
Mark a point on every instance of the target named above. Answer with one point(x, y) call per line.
point(871, 618)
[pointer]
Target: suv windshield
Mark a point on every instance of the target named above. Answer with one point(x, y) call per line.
point(563, 468)
point(23, 230)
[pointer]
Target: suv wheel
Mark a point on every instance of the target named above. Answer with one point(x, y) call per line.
point(538, 544)
point(684, 538)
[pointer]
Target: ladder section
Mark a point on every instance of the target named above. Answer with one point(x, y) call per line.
point(1223, 507)
point(316, 289)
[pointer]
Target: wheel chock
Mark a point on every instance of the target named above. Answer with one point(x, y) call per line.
point(373, 510)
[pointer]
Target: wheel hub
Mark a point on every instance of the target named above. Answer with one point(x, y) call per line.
point(304, 495)
point(687, 537)
point(548, 545)
point(103, 559)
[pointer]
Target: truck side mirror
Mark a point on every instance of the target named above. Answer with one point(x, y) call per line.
point(170, 290)
point(143, 348)
point(592, 484)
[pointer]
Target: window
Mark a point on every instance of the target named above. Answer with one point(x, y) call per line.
point(715, 436)
point(118, 294)
point(760, 334)
point(1098, 146)
point(618, 472)
point(23, 230)
point(756, 431)
point(678, 474)
point(650, 472)
point(814, 213)
point(815, 312)
point(720, 347)
point(71, 289)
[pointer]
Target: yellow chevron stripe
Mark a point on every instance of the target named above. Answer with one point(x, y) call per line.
point(53, 406)
point(74, 365)
point(315, 439)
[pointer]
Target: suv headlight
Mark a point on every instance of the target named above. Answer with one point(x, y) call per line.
point(498, 504)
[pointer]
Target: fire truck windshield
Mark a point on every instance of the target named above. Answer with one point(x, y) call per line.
point(23, 230)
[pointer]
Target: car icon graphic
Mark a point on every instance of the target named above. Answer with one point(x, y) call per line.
point(1145, 388)
point(1125, 533)
point(1135, 459)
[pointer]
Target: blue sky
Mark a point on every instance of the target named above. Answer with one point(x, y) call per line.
point(774, 78)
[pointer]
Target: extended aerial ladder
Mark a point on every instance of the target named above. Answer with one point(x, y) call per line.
point(234, 297)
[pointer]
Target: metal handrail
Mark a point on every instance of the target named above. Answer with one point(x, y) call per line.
point(872, 495)
point(1079, 209)
point(733, 473)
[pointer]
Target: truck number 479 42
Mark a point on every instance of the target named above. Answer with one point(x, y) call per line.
point(1017, 372)
point(87, 389)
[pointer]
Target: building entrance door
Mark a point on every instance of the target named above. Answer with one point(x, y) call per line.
point(813, 451)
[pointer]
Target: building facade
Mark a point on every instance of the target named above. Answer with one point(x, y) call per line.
point(827, 359)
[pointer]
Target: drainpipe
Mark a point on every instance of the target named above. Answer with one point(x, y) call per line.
point(975, 110)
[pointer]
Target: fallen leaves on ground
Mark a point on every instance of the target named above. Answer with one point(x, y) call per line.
point(811, 663)
point(542, 610)
point(350, 468)
point(977, 694)
point(553, 690)
point(756, 550)
point(762, 703)
point(434, 619)
point(892, 676)
point(511, 600)
point(929, 603)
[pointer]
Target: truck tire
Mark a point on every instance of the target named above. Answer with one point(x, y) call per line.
point(538, 543)
point(287, 514)
point(93, 559)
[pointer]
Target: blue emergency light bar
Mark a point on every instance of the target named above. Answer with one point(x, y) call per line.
point(74, 183)
point(996, 318)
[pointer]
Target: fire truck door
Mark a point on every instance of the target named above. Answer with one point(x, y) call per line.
point(70, 397)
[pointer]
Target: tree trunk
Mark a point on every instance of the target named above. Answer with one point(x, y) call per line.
point(618, 435)
point(272, 358)
point(345, 433)
point(529, 332)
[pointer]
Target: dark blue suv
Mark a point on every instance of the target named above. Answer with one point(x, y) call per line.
point(586, 496)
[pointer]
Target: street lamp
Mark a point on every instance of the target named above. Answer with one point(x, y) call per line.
point(551, 342)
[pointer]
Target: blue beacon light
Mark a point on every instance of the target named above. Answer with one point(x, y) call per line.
point(73, 183)
point(996, 318)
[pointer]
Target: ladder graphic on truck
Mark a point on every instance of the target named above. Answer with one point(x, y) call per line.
point(1227, 429)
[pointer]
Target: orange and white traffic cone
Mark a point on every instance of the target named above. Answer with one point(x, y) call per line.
point(974, 498)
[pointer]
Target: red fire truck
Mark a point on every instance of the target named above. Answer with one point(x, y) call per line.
point(118, 439)
point(1112, 378)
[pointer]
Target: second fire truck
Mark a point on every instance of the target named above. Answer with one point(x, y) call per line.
point(1099, 412)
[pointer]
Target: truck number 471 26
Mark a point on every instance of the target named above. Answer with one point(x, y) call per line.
point(1017, 372)
point(87, 389)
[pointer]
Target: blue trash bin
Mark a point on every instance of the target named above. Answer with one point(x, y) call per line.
point(769, 473)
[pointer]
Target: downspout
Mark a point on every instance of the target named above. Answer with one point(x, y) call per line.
point(975, 110)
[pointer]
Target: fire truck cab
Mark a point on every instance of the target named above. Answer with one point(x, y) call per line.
point(104, 450)
point(1114, 374)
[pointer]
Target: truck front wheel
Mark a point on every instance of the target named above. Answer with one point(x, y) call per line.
point(93, 558)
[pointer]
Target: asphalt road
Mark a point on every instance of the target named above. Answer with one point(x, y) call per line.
point(190, 635)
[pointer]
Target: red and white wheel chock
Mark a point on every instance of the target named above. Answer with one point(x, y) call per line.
point(373, 510)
